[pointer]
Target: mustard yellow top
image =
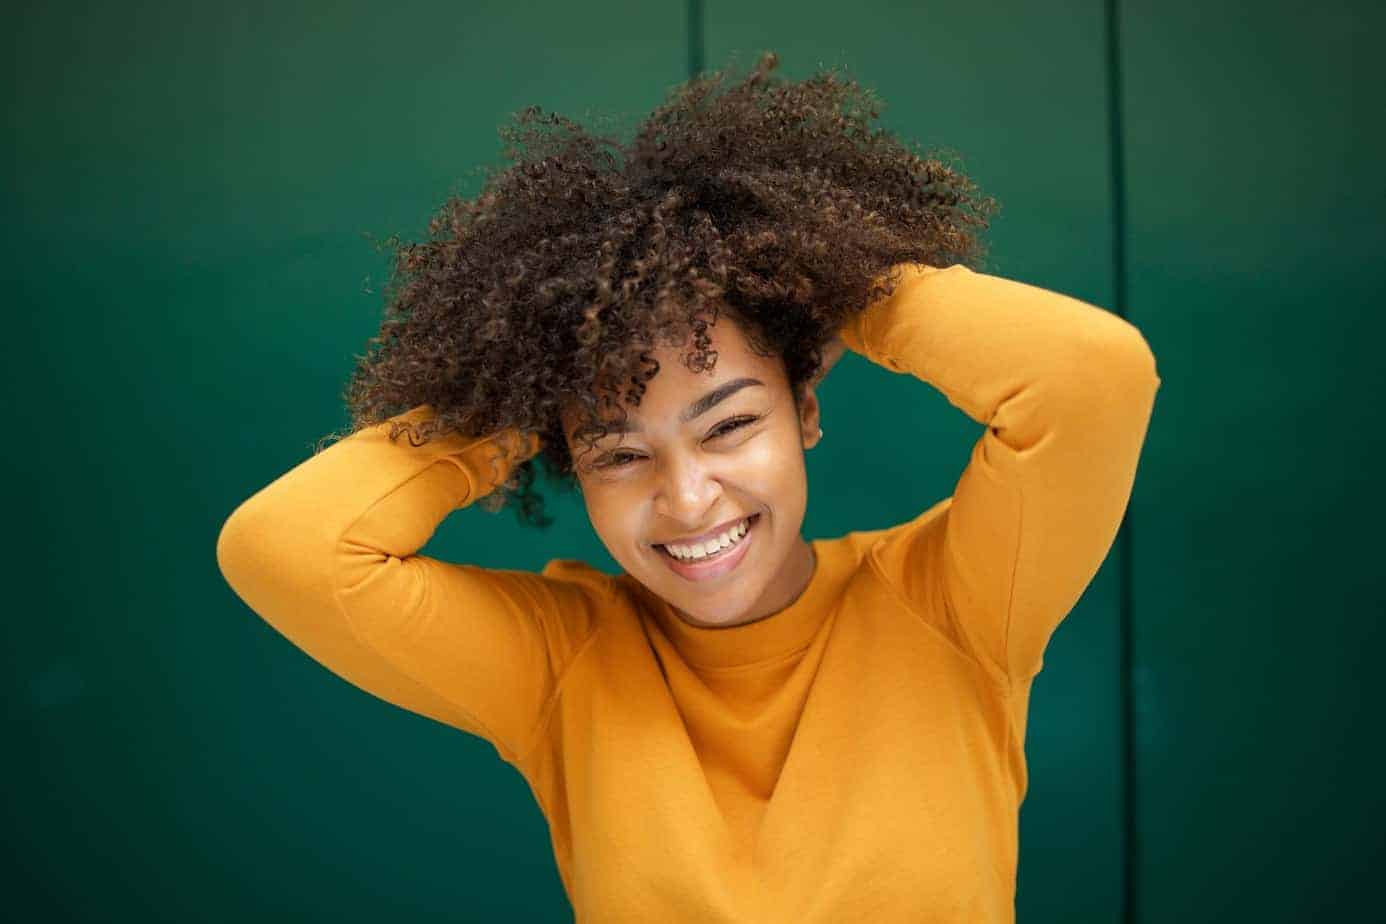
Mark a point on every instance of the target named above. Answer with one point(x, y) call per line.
point(856, 756)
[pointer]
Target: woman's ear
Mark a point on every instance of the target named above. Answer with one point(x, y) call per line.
point(810, 422)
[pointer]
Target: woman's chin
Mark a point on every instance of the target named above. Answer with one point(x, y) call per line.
point(713, 609)
point(711, 621)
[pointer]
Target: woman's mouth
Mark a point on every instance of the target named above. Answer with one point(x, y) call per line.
point(716, 564)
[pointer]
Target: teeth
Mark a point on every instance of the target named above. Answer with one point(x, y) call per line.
point(703, 549)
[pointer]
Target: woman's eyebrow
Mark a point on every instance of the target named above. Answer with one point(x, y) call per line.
point(697, 408)
point(720, 393)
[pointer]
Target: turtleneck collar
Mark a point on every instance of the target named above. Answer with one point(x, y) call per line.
point(767, 638)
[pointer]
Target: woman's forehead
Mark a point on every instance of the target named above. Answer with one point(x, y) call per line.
point(675, 389)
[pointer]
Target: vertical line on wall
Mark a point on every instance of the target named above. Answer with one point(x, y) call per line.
point(1126, 557)
point(695, 37)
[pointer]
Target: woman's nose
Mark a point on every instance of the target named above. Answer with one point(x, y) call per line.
point(688, 490)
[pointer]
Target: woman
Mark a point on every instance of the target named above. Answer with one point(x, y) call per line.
point(742, 725)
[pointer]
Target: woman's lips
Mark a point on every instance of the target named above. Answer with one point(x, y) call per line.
point(714, 565)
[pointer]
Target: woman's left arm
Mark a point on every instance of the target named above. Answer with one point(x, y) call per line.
point(1066, 391)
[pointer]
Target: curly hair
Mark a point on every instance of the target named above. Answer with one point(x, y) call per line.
point(773, 201)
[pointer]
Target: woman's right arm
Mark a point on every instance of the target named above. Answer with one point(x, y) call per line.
point(326, 554)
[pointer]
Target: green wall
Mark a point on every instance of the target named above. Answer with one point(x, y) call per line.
point(190, 267)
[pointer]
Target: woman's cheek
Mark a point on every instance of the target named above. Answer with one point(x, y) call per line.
point(614, 513)
point(766, 454)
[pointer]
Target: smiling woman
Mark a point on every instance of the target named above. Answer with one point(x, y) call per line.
point(742, 725)
point(676, 473)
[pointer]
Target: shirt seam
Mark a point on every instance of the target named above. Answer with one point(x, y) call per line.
point(1003, 685)
point(497, 740)
point(1002, 682)
point(766, 662)
point(550, 705)
point(1010, 597)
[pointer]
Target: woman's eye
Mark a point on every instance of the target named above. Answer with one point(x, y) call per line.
point(733, 424)
point(616, 460)
point(619, 459)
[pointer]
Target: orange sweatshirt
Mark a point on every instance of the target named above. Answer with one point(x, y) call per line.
point(858, 755)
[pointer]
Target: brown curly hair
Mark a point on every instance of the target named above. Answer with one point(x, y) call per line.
point(773, 201)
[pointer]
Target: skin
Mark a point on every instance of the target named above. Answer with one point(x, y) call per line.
point(672, 479)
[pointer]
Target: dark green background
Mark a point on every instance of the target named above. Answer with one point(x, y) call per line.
point(189, 191)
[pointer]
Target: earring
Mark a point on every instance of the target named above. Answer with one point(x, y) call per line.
point(820, 433)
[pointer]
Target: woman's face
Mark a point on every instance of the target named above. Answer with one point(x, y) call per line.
point(705, 451)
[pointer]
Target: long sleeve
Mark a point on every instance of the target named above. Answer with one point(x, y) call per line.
point(326, 554)
point(1066, 391)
